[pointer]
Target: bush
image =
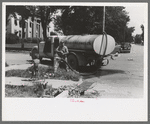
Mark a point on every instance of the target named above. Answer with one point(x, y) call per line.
point(35, 40)
point(32, 40)
point(28, 40)
point(11, 38)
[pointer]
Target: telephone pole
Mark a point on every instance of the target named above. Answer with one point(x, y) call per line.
point(104, 19)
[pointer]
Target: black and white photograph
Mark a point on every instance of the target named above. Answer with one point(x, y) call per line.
point(84, 59)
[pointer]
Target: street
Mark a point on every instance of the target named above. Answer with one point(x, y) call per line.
point(121, 78)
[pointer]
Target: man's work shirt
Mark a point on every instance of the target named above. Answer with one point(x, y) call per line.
point(64, 50)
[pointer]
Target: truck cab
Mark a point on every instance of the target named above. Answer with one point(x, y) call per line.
point(45, 49)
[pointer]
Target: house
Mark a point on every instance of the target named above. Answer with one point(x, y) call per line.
point(33, 28)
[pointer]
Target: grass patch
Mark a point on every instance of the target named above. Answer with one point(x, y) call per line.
point(44, 72)
point(19, 91)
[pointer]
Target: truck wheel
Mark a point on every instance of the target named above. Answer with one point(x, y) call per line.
point(72, 61)
point(34, 51)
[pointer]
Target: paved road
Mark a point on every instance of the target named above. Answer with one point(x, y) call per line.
point(122, 78)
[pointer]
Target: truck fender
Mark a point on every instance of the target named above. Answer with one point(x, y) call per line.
point(35, 47)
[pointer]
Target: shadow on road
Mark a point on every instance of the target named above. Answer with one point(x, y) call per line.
point(104, 72)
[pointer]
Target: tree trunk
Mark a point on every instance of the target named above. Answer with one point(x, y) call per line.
point(44, 32)
point(23, 35)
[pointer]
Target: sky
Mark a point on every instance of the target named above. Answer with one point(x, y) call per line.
point(137, 17)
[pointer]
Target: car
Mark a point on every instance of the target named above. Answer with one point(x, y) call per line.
point(117, 49)
point(125, 47)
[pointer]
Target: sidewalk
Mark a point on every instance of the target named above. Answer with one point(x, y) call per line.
point(23, 66)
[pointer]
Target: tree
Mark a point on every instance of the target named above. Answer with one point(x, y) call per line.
point(142, 35)
point(76, 20)
point(47, 15)
point(79, 20)
point(138, 39)
point(128, 34)
point(10, 10)
point(116, 21)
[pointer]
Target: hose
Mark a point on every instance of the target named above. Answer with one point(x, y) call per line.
point(82, 74)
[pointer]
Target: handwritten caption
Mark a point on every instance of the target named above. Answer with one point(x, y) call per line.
point(80, 101)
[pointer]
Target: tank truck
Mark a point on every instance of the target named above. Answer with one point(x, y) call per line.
point(84, 50)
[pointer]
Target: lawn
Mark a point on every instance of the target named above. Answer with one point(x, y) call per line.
point(44, 72)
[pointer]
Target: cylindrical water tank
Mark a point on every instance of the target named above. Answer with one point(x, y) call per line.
point(100, 44)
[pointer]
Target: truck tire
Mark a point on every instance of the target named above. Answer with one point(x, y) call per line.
point(72, 61)
point(34, 51)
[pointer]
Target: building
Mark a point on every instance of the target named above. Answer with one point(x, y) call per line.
point(33, 29)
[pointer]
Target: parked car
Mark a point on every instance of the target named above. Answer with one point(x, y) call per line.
point(117, 49)
point(125, 47)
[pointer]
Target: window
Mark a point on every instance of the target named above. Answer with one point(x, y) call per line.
point(38, 21)
point(19, 33)
point(30, 24)
point(37, 26)
point(15, 32)
point(15, 21)
point(20, 24)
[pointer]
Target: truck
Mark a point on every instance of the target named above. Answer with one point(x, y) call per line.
point(84, 50)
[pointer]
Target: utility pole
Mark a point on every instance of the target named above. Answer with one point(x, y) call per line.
point(104, 19)
point(124, 34)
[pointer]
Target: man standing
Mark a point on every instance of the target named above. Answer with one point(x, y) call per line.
point(61, 53)
point(34, 68)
